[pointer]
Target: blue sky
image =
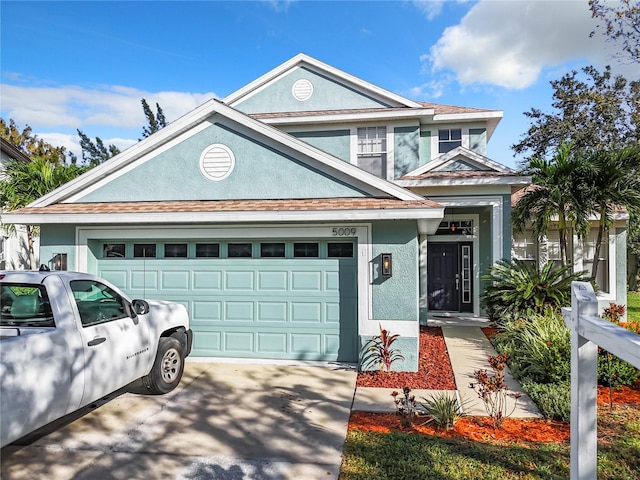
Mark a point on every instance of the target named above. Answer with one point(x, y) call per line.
point(86, 65)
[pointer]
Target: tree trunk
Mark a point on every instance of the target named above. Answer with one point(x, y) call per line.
point(30, 245)
point(632, 271)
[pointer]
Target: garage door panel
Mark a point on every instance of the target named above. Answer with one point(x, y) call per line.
point(273, 281)
point(207, 343)
point(306, 281)
point(238, 311)
point(239, 281)
point(205, 311)
point(238, 342)
point(306, 312)
point(272, 311)
point(175, 280)
point(144, 280)
point(207, 281)
point(270, 343)
point(306, 344)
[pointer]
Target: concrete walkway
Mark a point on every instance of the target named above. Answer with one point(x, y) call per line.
point(469, 350)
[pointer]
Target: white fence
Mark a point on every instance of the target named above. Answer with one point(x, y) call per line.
point(588, 331)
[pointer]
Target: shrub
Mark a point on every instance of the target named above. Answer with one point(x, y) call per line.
point(378, 351)
point(539, 348)
point(614, 371)
point(553, 399)
point(520, 287)
point(444, 409)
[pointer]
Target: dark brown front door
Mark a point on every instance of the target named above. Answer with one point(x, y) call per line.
point(449, 268)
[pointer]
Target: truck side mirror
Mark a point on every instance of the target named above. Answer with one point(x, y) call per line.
point(140, 307)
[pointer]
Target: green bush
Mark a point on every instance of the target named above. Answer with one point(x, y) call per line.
point(553, 399)
point(539, 348)
point(521, 288)
point(618, 372)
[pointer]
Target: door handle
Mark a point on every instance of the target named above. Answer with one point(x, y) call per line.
point(97, 341)
point(457, 281)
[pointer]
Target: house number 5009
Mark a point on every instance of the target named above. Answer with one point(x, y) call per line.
point(344, 232)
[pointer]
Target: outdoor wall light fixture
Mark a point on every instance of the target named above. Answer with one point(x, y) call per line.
point(386, 264)
point(58, 262)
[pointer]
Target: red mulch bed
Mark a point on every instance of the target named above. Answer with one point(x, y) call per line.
point(434, 368)
point(435, 372)
point(472, 428)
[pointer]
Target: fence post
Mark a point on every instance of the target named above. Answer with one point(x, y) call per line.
point(584, 390)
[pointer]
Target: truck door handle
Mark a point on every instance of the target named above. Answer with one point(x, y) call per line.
point(96, 341)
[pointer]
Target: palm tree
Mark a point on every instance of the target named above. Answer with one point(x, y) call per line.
point(614, 182)
point(23, 182)
point(558, 193)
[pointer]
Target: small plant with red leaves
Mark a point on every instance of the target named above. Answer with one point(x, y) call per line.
point(379, 352)
point(493, 390)
point(406, 407)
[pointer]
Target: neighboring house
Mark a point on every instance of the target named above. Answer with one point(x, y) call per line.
point(14, 250)
point(296, 216)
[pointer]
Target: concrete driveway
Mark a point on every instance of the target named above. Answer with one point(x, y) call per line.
point(225, 421)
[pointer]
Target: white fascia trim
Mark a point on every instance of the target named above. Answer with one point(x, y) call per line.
point(303, 59)
point(465, 117)
point(498, 180)
point(129, 155)
point(226, 217)
point(350, 117)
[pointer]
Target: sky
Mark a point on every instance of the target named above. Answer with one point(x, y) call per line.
point(86, 64)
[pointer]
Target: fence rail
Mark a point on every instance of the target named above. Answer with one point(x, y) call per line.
point(588, 331)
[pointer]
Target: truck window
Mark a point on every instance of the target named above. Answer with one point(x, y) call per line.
point(97, 303)
point(25, 305)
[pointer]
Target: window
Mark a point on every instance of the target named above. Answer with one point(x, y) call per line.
point(524, 246)
point(340, 250)
point(96, 302)
point(372, 150)
point(305, 250)
point(239, 250)
point(24, 305)
point(175, 250)
point(144, 250)
point(448, 139)
point(207, 250)
point(602, 276)
point(272, 250)
point(113, 250)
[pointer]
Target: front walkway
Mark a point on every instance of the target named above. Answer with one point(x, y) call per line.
point(468, 349)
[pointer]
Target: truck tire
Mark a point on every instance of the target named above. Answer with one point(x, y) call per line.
point(167, 368)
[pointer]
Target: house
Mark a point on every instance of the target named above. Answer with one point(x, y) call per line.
point(14, 251)
point(296, 216)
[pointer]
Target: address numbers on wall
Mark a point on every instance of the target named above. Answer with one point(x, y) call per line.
point(344, 231)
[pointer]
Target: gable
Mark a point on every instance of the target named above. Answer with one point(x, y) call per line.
point(460, 164)
point(261, 169)
point(302, 89)
point(461, 159)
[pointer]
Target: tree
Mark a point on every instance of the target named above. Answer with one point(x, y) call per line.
point(95, 153)
point(557, 194)
point(621, 24)
point(601, 112)
point(29, 144)
point(24, 182)
point(614, 181)
point(155, 122)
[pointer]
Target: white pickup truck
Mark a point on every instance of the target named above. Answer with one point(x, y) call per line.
point(68, 339)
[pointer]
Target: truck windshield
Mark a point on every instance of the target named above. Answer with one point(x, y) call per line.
point(24, 305)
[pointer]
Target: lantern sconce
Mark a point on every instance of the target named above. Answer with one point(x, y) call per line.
point(386, 264)
point(58, 262)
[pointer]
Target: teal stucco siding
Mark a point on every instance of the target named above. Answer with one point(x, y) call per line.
point(328, 94)
point(406, 150)
point(478, 140)
point(56, 239)
point(260, 172)
point(335, 142)
point(425, 147)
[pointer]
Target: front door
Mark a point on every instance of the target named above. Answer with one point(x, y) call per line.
point(449, 269)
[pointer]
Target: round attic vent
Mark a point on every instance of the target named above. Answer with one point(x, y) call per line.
point(217, 162)
point(302, 89)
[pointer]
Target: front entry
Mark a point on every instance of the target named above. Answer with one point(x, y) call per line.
point(449, 270)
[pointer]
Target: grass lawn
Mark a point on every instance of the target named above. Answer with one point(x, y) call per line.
point(410, 456)
point(633, 306)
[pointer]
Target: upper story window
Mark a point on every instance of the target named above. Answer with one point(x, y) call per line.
point(448, 139)
point(372, 150)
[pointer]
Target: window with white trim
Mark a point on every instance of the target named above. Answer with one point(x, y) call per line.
point(448, 139)
point(372, 150)
point(524, 247)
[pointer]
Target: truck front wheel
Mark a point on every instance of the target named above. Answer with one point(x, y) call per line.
point(167, 368)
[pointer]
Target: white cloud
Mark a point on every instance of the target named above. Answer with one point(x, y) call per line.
point(78, 107)
point(430, 8)
point(509, 43)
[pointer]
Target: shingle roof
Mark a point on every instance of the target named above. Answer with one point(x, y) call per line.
point(310, 204)
point(439, 109)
